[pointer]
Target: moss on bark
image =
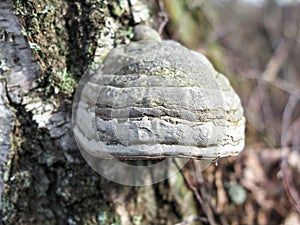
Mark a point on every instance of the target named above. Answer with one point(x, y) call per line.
point(47, 180)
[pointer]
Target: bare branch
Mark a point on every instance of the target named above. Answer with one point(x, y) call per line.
point(164, 15)
point(277, 61)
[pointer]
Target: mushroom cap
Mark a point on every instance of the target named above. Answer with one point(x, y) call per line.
point(155, 99)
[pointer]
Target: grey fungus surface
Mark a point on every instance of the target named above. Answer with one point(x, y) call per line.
point(145, 33)
point(155, 99)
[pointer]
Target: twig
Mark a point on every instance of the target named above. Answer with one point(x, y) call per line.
point(200, 181)
point(205, 206)
point(164, 15)
point(187, 181)
point(266, 107)
point(286, 118)
point(270, 76)
point(287, 179)
point(277, 61)
point(278, 83)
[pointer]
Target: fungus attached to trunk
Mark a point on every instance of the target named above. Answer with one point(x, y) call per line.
point(154, 99)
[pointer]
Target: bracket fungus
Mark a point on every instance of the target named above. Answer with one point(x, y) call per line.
point(155, 99)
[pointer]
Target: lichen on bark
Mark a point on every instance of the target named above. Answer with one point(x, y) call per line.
point(47, 181)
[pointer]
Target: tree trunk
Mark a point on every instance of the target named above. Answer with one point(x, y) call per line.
point(45, 48)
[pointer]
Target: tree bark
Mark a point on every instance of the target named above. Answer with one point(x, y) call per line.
point(46, 46)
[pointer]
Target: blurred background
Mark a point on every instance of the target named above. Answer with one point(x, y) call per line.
point(256, 45)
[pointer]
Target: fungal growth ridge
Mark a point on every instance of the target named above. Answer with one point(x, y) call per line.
point(157, 99)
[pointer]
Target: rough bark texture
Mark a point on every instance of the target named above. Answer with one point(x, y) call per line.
point(45, 48)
